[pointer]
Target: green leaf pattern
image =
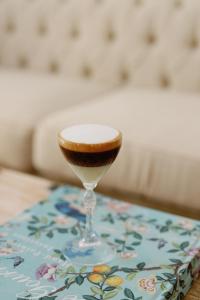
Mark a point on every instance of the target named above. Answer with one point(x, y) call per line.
point(155, 251)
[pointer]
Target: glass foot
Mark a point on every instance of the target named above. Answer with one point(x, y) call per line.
point(80, 253)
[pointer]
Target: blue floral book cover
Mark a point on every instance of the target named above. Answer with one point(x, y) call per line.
point(158, 254)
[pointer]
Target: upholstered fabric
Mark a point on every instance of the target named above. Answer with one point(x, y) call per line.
point(93, 45)
point(24, 99)
point(144, 42)
point(160, 156)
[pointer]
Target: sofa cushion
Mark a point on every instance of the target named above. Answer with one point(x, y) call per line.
point(24, 99)
point(143, 42)
point(160, 156)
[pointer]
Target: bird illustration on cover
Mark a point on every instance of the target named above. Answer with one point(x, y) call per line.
point(70, 210)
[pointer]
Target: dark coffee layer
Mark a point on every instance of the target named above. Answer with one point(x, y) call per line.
point(90, 159)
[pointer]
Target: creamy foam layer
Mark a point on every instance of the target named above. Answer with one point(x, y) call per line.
point(89, 134)
point(90, 138)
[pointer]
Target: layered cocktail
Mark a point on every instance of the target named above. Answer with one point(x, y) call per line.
point(90, 149)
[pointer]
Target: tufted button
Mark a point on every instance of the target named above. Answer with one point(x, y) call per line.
point(53, 67)
point(110, 36)
point(178, 3)
point(42, 29)
point(22, 62)
point(138, 2)
point(164, 81)
point(194, 43)
point(87, 71)
point(124, 76)
point(74, 33)
point(151, 39)
point(10, 26)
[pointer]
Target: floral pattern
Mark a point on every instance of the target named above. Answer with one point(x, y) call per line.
point(3, 234)
point(128, 255)
point(186, 224)
point(6, 250)
point(118, 207)
point(33, 244)
point(47, 272)
point(62, 221)
point(148, 284)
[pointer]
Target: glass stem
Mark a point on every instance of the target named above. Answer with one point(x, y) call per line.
point(90, 237)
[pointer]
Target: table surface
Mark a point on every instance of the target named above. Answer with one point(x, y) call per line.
point(25, 190)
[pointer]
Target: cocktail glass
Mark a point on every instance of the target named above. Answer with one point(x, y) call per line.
point(90, 149)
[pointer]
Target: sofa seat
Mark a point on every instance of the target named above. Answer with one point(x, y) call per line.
point(25, 98)
point(160, 156)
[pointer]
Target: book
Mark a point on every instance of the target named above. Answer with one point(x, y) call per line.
point(157, 254)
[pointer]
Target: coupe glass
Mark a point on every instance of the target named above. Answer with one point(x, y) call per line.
point(90, 149)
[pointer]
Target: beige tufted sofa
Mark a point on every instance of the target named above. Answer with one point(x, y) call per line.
point(133, 64)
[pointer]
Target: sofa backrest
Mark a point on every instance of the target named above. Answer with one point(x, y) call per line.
point(146, 43)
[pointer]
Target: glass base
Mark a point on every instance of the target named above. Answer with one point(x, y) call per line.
point(81, 253)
